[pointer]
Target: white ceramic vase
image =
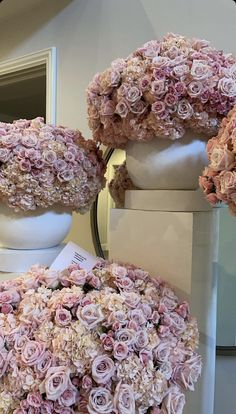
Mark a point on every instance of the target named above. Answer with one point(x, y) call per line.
point(163, 164)
point(39, 229)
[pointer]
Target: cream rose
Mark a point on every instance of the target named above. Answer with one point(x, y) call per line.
point(221, 158)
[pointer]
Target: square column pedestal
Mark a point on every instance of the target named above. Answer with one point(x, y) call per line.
point(174, 235)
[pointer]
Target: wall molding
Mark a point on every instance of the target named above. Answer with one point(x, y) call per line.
point(46, 57)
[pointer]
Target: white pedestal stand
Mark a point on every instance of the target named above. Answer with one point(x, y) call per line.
point(16, 261)
point(174, 234)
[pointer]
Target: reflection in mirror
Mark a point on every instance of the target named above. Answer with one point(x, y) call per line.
point(23, 94)
point(105, 202)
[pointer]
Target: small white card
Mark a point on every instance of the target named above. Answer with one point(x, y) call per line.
point(74, 254)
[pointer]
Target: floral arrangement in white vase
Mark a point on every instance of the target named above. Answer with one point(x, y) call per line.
point(160, 90)
point(218, 180)
point(111, 340)
point(43, 165)
point(165, 90)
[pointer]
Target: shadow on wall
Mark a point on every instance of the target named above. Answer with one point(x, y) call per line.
point(37, 13)
point(226, 308)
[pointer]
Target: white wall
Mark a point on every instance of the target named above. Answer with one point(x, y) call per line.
point(90, 33)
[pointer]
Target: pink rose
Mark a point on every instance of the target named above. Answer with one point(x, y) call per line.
point(107, 342)
point(32, 352)
point(141, 340)
point(221, 158)
point(227, 86)
point(69, 396)
point(131, 299)
point(137, 316)
point(4, 154)
point(227, 181)
point(144, 83)
point(47, 407)
point(195, 88)
point(45, 363)
point(183, 310)
point(120, 350)
point(87, 383)
point(10, 296)
point(162, 351)
point(103, 369)
point(122, 108)
point(56, 382)
point(4, 361)
point(25, 165)
point(184, 109)
point(124, 401)
point(108, 108)
point(174, 402)
point(118, 271)
point(171, 99)
point(158, 107)
point(34, 399)
point(124, 283)
point(187, 373)
point(180, 88)
point(50, 157)
point(158, 87)
point(212, 199)
point(63, 317)
point(174, 322)
point(100, 401)
point(200, 70)
point(181, 70)
point(133, 94)
point(90, 315)
point(126, 335)
point(138, 108)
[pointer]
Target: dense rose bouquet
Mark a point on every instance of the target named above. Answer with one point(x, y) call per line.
point(161, 89)
point(219, 178)
point(119, 184)
point(42, 165)
point(112, 340)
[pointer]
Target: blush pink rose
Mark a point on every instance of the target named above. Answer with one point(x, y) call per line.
point(103, 368)
point(69, 396)
point(87, 383)
point(221, 158)
point(56, 382)
point(174, 402)
point(120, 350)
point(187, 373)
point(34, 399)
point(63, 317)
point(100, 401)
point(90, 315)
point(32, 352)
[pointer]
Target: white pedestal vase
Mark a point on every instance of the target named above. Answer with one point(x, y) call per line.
point(31, 237)
point(163, 164)
point(174, 235)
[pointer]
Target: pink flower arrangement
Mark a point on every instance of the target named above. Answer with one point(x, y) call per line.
point(112, 340)
point(219, 178)
point(119, 184)
point(162, 89)
point(42, 165)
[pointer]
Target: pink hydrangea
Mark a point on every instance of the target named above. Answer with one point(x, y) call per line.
point(160, 90)
point(73, 347)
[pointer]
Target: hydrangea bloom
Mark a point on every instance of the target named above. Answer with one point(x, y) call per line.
point(161, 89)
point(219, 178)
point(112, 340)
point(42, 165)
point(119, 184)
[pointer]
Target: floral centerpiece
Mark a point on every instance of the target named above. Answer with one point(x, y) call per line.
point(119, 184)
point(42, 165)
point(170, 88)
point(218, 180)
point(160, 90)
point(112, 340)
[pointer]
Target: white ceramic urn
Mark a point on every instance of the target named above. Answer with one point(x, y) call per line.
point(39, 229)
point(164, 164)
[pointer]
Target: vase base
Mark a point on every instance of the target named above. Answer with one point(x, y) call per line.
point(16, 261)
